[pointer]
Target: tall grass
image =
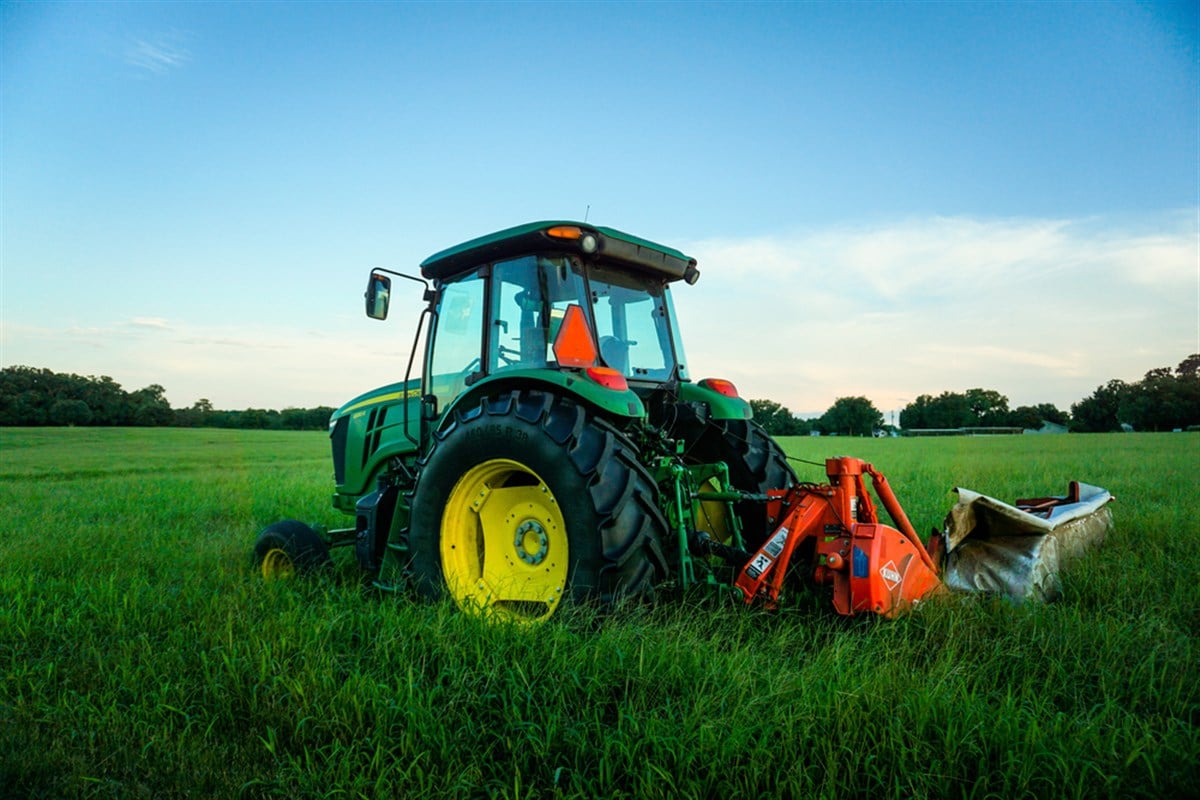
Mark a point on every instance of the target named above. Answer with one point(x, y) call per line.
point(140, 656)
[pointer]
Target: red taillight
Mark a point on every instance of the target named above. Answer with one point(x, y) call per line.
point(608, 377)
point(722, 387)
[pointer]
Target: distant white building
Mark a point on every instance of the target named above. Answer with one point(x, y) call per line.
point(1048, 427)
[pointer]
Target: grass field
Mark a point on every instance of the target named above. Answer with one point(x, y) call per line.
point(141, 657)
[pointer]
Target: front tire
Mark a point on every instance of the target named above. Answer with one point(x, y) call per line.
point(526, 499)
point(288, 548)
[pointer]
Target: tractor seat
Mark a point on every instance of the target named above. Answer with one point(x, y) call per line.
point(615, 353)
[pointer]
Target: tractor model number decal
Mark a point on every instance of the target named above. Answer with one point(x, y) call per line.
point(498, 430)
point(891, 576)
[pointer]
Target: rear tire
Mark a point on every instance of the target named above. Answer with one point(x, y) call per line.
point(527, 498)
point(288, 548)
point(756, 461)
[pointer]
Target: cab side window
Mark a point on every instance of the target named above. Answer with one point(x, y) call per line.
point(458, 342)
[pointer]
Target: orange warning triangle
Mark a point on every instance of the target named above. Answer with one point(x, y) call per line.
point(573, 345)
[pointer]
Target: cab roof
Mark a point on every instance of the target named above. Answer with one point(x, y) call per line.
point(615, 247)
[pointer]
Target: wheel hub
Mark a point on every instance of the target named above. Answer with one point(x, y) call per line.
point(532, 542)
point(277, 565)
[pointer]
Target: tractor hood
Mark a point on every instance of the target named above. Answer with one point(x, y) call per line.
point(390, 394)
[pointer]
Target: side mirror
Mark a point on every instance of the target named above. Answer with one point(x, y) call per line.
point(379, 289)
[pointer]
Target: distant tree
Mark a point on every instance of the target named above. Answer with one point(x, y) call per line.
point(952, 410)
point(110, 404)
point(775, 418)
point(851, 416)
point(1052, 413)
point(222, 419)
point(974, 408)
point(258, 418)
point(1189, 367)
point(293, 419)
point(916, 413)
point(1163, 400)
point(1025, 417)
point(318, 418)
point(947, 410)
point(1035, 416)
point(30, 408)
point(988, 407)
point(1098, 413)
point(151, 407)
point(70, 412)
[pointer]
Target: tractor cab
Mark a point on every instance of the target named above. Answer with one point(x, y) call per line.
point(588, 302)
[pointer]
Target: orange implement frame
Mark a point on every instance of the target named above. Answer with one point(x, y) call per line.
point(871, 567)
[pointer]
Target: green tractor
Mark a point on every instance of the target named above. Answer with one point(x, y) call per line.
point(554, 446)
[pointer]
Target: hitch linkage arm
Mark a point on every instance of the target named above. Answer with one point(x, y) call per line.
point(701, 544)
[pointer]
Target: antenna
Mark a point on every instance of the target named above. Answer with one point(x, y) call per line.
point(587, 211)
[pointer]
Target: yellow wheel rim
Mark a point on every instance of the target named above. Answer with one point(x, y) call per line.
point(712, 516)
point(277, 565)
point(504, 543)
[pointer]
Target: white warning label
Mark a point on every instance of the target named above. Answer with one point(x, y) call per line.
point(775, 546)
point(891, 576)
point(760, 564)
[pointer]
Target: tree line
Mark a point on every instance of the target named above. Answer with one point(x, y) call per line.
point(977, 408)
point(848, 416)
point(37, 397)
point(1163, 400)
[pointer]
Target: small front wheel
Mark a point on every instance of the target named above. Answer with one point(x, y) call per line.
point(287, 548)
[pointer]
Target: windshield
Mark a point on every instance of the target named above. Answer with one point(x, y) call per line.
point(633, 321)
point(529, 299)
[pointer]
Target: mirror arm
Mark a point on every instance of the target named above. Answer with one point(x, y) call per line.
point(429, 293)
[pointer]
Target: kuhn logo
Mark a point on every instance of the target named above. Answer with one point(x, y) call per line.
point(890, 574)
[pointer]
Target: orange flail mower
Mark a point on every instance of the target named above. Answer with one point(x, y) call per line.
point(871, 567)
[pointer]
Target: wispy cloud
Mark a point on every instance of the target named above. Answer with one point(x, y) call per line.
point(158, 54)
point(1041, 310)
point(156, 323)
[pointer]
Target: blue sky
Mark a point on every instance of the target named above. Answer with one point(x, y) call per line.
point(886, 199)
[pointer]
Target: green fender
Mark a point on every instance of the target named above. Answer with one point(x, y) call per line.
point(608, 402)
point(720, 406)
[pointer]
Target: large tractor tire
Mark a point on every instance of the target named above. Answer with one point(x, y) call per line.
point(287, 548)
point(756, 462)
point(526, 499)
